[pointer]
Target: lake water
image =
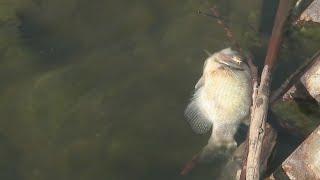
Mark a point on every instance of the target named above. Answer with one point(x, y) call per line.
point(96, 89)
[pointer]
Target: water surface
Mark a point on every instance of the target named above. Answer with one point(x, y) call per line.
point(97, 89)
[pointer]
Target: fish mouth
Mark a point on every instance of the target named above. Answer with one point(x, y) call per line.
point(233, 62)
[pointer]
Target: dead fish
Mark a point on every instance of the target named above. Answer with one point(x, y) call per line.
point(221, 101)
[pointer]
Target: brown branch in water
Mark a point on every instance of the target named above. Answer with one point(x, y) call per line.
point(294, 78)
point(261, 102)
point(257, 127)
point(254, 71)
point(254, 75)
point(190, 165)
point(268, 144)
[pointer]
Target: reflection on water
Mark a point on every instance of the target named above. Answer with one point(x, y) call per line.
point(96, 89)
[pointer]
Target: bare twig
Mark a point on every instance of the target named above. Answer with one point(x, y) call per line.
point(261, 102)
point(190, 165)
point(227, 29)
point(294, 78)
point(254, 71)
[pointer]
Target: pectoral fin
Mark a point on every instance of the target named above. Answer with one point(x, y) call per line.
point(198, 122)
point(199, 83)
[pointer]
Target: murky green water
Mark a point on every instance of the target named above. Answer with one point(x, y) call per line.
point(96, 89)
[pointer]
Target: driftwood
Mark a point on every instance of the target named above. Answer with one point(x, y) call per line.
point(234, 166)
point(269, 141)
point(261, 102)
point(304, 162)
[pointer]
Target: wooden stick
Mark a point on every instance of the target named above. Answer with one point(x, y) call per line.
point(257, 126)
point(294, 78)
point(261, 102)
point(269, 141)
point(190, 165)
point(254, 74)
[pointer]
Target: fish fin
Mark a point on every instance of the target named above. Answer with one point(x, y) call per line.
point(199, 83)
point(207, 52)
point(198, 122)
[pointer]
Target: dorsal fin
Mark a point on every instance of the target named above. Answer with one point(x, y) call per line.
point(207, 52)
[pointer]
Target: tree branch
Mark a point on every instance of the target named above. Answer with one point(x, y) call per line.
point(294, 78)
point(229, 33)
point(261, 102)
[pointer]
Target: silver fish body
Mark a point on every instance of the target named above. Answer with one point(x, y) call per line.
point(221, 100)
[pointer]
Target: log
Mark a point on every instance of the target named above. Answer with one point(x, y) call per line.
point(304, 162)
point(269, 141)
point(261, 102)
point(257, 127)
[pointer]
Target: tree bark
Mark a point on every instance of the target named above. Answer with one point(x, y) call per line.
point(304, 162)
point(261, 102)
point(294, 78)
